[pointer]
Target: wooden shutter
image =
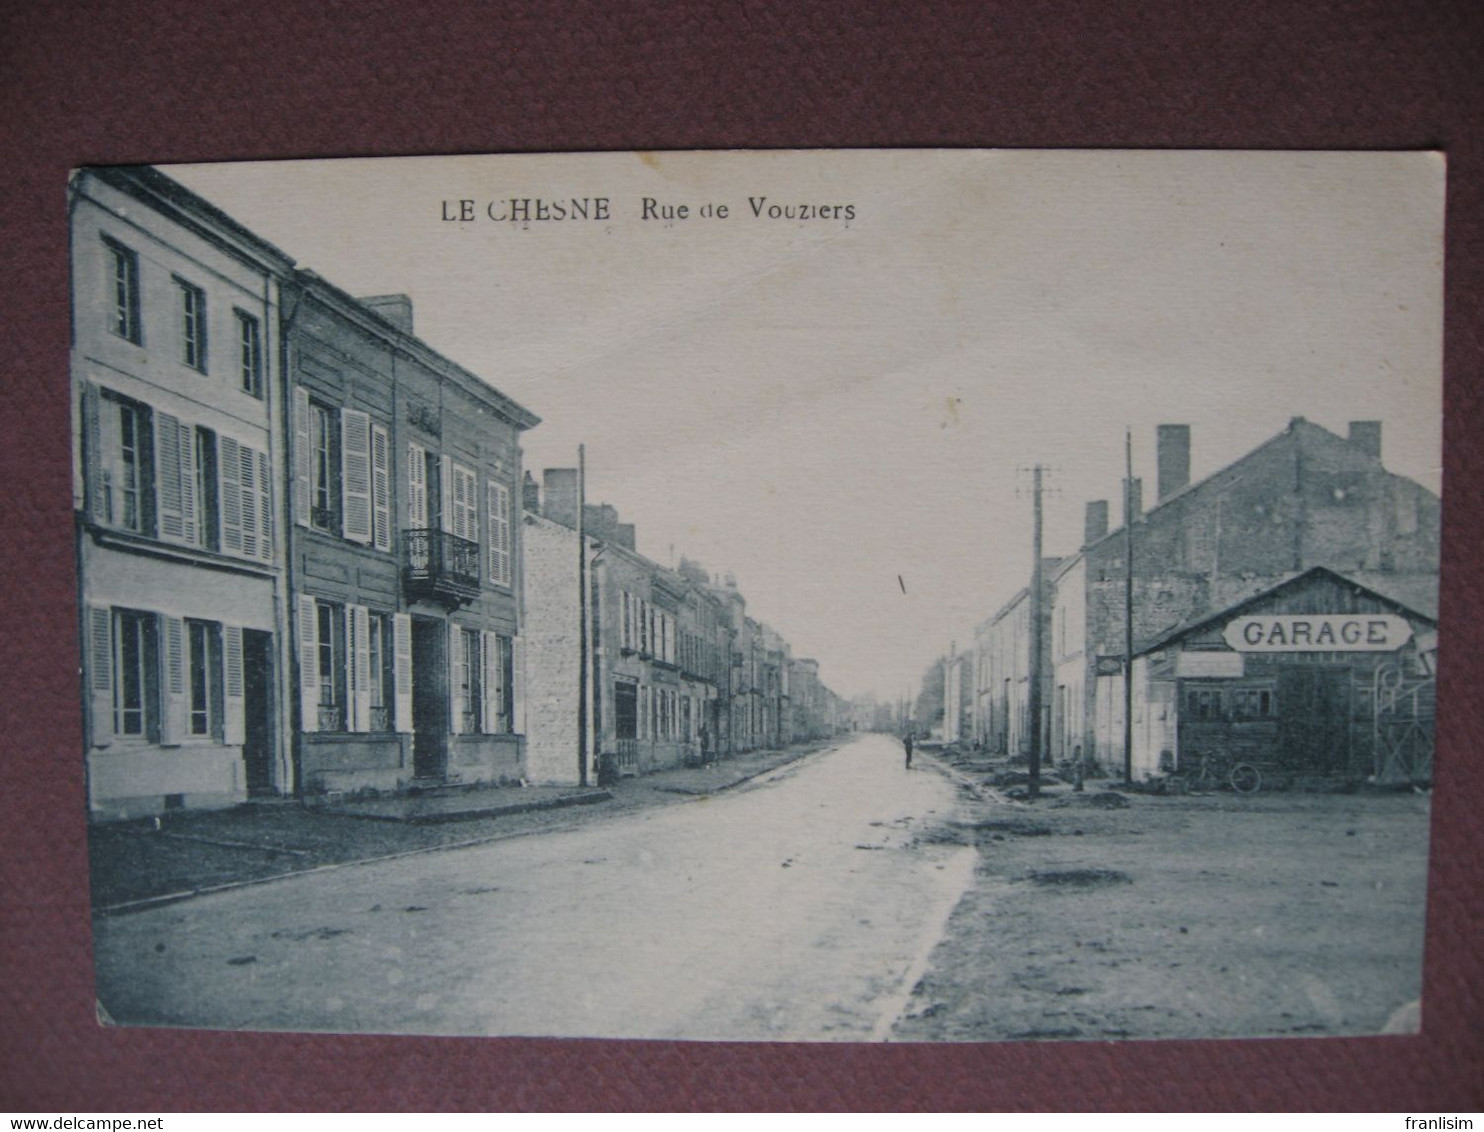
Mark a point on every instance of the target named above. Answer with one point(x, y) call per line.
point(229, 468)
point(488, 665)
point(381, 489)
point(355, 475)
point(417, 487)
point(167, 477)
point(308, 665)
point(99, 660)
point(188, 500)
point(445, 494)
point(234, 724)
point(358, 626)
point(499, 527)
point(455, 692)
point(402, 663)
point(462, 498)
point(518, 686)
point(95, 484)
point(175, 716)
point(265, 509)
point(247, 480)
point(303, 459)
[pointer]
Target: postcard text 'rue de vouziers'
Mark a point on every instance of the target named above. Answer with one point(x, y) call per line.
point(541, 210)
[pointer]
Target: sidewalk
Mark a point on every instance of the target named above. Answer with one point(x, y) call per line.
point(189, 853)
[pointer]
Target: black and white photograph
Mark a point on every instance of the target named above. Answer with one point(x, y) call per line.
point(829, 596)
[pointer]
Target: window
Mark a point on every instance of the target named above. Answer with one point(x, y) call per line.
point(499, 528)
point(208, 517)
point(1254, 703)
point(126, 464)
point(325, 467)
point(192, 325)
point(124, 283)
point(469, 678)
point(1204, 703)
point(136, 681)
point(380, 669)
point(500, 684)
point(417, 487)
point(329, 645)
point(250, 355)
point(204, 655)
point(462, 518)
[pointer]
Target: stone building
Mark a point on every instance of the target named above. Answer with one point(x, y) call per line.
point(1306, 498)
point(175, 348)
point(403, 552)
point(658, 640)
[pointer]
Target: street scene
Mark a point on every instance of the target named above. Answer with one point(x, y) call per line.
point(917, 597)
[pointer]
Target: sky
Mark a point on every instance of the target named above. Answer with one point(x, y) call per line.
point(842, 410)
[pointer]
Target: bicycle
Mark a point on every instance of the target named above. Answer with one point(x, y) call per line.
point(1214, 771)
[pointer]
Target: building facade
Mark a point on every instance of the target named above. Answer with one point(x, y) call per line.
point(404, 553)
point(1306, 498)
point(1319, 677)
point(175, 357)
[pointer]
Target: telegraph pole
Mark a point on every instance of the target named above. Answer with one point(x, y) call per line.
point(1033, 787)
point(581, 616)
point(1128, 607)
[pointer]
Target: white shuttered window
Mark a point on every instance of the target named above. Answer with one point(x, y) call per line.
point(381, 492)
point(417, 487)
point(499, 528)
point(355, 474)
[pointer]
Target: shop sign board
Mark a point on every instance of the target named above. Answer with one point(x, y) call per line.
point(1318, 632)
point(1210, 665)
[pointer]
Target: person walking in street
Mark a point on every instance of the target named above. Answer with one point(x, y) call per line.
point(907, 746)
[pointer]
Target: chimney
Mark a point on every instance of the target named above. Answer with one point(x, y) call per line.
point(624, 535)
point(560, 485)
point(1366, 435)
point(1133, 505)
point(600, 521)
point(1173, 456)
point(1096, 524)
point(396, 309)
point(530, 494)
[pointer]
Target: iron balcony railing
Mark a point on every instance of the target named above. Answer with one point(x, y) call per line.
point(440, 566)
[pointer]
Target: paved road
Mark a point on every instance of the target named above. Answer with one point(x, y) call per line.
point(799, 907)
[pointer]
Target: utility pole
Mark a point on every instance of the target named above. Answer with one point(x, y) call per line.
point(1128, 608)
point(581, 616)
point(1033, 787)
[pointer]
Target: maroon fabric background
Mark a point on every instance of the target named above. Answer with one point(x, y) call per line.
point(198, 80)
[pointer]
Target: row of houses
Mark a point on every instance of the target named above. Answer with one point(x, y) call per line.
point(1284, 612)
point(310, 561)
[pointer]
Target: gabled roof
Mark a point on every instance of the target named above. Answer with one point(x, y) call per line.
point(1292, 582)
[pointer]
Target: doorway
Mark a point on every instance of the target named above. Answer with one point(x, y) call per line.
point(258, 712)
point(1314, 718)
point(429, 698)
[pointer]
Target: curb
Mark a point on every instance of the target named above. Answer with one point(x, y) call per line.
point(493, 811)
point(147, 903)
point(959, 778)
point(704, 792)
point(144, 904)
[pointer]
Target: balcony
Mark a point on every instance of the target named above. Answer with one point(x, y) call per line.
point(438, 566)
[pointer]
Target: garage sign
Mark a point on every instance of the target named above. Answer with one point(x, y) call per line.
point(1319, 632)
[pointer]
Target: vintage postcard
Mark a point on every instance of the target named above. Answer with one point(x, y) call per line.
point(826, 596)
